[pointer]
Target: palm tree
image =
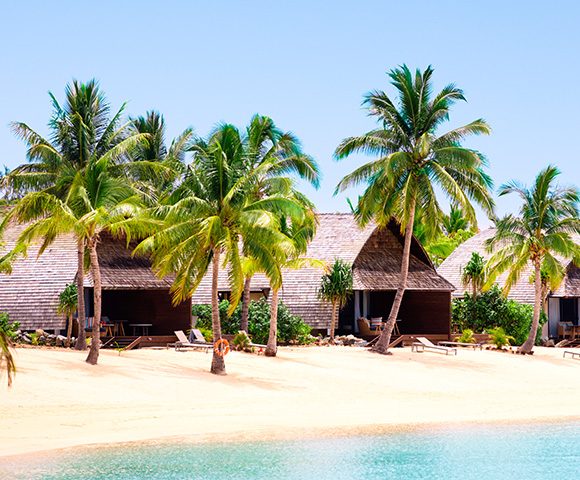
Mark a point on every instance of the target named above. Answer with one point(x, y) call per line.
point(548, 217)
point(298, 232)
point(455, 221)
point(96, 202)
point(212, 213)
point(6, 356)
point(82, 130)
point(412, 161)
point(157, 168)
point(336, 288)
point(67, 304)
point(474, 274)
point(265, 143)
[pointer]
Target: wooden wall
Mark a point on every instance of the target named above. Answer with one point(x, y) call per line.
point(147, 306)
point(421, 312)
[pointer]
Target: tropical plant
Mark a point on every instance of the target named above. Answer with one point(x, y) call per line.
point(455, 221)
point(336, 288)
point(474, 274)
point(67, 305)
point(412, 161)
point(545, 280)
point(7, 327)
point(548, 217)
point(6, 356)
point(466, 336)
point(499, 338)
point(82, 131)
point(212, 214)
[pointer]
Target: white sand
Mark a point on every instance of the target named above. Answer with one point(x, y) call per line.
point(57, 400)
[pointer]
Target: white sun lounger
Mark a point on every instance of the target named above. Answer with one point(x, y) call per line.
point(571, 353)
point(184, 343)
point(424, 343)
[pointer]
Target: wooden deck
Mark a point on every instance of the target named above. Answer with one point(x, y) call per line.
point(130, 342)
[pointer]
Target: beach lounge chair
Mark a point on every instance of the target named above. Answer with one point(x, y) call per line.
point(251, 344)
point(423, 343)
point(571, 353)
point(184, 343)
point(195, 336)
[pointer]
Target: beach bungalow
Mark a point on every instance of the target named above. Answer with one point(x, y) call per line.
point(139, 303)
point(375, 255)
point(134, 300)
point(562, 304)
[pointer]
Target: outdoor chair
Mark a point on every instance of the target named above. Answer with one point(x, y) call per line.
point(364, 328)
point(377, 324)
point(184, 343)
point(251, 344)
point(424, 343)
point(564, 330)
point(195, 336)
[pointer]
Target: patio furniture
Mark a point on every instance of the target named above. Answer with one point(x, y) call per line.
point(251, 344)
point(571, 353)
point(423, 343)
point(377, 324)
point(364, 328)
point(564, 330)
point(143, 326)
point(196, 336)
point(184, 343)
point(462, 344)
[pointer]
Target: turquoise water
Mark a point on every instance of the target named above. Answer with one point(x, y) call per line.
point(530, 451)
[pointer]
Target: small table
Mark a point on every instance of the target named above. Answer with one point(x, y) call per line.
point(144, 328)
point(575, 330)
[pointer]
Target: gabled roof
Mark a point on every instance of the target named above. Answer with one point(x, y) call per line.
point(451, 268)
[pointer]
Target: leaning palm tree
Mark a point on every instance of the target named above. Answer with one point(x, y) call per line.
point(412, 161)
point(548, 218)
point(336, 288)
point(212, 213)
point(82, 130)
point(6, 356)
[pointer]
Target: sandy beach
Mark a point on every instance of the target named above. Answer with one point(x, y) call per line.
point(57, 400)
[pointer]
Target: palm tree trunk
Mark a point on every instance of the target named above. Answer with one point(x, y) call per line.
point(96, 335)
point(531, 340)
point(385, 338)
point(218, 365)
point(68, 331)
point(245, 305)
point(81, 343)
point(333, 321)
point(271, 347)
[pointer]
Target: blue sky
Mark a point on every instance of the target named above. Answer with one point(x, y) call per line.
point(307, 65)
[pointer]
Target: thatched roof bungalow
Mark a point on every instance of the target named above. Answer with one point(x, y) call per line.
point(131, 292)
point(562, 304)
point(375, 255)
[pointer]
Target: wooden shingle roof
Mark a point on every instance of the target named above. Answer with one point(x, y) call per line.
point(451, 268)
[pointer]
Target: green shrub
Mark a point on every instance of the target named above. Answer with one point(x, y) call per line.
point(241, 341)
point(8, 328)
point(491, 310)
point(291, 329)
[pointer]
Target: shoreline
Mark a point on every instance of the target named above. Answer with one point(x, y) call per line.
point(159, 396)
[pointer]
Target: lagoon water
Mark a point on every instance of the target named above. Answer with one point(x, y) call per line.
point(532, 451)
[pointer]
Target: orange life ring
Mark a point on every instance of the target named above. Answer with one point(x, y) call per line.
point(222, 347)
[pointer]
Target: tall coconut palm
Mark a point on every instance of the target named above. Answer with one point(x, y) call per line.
point(412, 161)
point(264, 143)
point(155, 167)
point(212, 214)
point(96, 202)
point(336, 288)
point(542, 231)
point(82, 130)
